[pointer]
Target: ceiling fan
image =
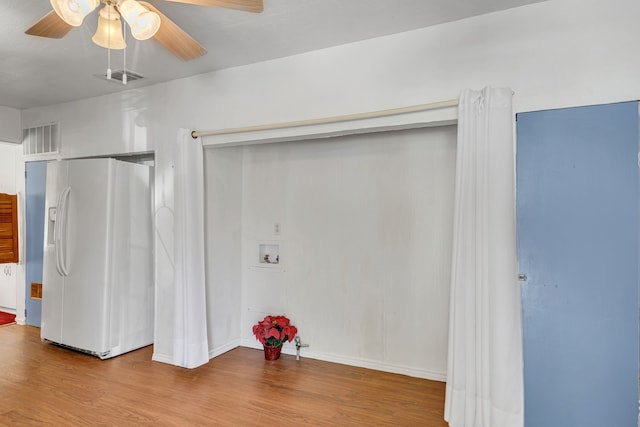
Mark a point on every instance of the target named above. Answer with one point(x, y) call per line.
point(144, 20)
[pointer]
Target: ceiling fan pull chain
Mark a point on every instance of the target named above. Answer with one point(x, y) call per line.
point(124, 53)
point(109, 49)
point(108, 64)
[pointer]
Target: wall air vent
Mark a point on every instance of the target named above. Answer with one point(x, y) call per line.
point(116, 76)
point(40, 140)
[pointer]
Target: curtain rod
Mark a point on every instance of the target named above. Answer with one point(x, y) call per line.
point(334, 119)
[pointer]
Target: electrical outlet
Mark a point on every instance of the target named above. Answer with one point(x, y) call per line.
point(276, 228)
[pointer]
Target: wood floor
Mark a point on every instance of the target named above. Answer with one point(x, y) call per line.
point(41, 384)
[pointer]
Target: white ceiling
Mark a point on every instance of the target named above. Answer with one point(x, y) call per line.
point(36, 71)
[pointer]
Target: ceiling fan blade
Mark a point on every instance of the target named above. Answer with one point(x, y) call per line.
point(246, 5)
point(51, 25)
point(174, 39)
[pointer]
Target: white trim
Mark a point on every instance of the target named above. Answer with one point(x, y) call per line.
point(356, 361)
point(164, 358)
point(332, 120)
point(224, 348)
point(441, 116)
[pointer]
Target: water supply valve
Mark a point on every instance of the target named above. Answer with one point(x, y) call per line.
point(299, 345)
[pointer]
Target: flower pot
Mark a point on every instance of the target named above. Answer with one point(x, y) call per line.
point(272, 353)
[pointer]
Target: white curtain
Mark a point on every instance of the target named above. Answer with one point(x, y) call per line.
point(190, 345)
point(484, 372)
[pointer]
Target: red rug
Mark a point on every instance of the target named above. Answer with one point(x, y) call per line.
point(7, 318)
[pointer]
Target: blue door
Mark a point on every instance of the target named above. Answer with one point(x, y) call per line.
point(35, 187)
point(578, 214)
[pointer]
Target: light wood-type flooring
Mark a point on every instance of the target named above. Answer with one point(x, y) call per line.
point(42, 384)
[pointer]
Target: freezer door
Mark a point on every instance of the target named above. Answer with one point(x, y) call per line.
point(81, 254)
point(52, 281)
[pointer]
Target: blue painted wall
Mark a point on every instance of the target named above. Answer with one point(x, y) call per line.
point(578, 238)
point(35, 188)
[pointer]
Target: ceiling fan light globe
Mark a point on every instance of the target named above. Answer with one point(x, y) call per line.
point(144, 24)
point(73, 11)
point(109, 34)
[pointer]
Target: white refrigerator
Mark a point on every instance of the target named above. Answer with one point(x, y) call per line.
point(97, 285)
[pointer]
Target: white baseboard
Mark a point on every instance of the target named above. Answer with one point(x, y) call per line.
point(290, 349)
point(164, 358)
point(359, 362)
point(224, 348)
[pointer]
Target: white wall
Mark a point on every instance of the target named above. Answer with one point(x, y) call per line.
point(12, 182)
point(10, 129)
point(223, 177)
point(554, 54)
point(365, 245)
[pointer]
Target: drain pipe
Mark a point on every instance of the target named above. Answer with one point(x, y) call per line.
point(299, 345)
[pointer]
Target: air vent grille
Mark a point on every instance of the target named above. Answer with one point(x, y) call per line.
point(116, 76)
point(39, 140)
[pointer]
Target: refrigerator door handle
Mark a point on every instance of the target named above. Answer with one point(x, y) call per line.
point(56, 233)
point(60, 233)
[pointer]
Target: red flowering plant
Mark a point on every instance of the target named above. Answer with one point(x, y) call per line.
point(273, 331)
